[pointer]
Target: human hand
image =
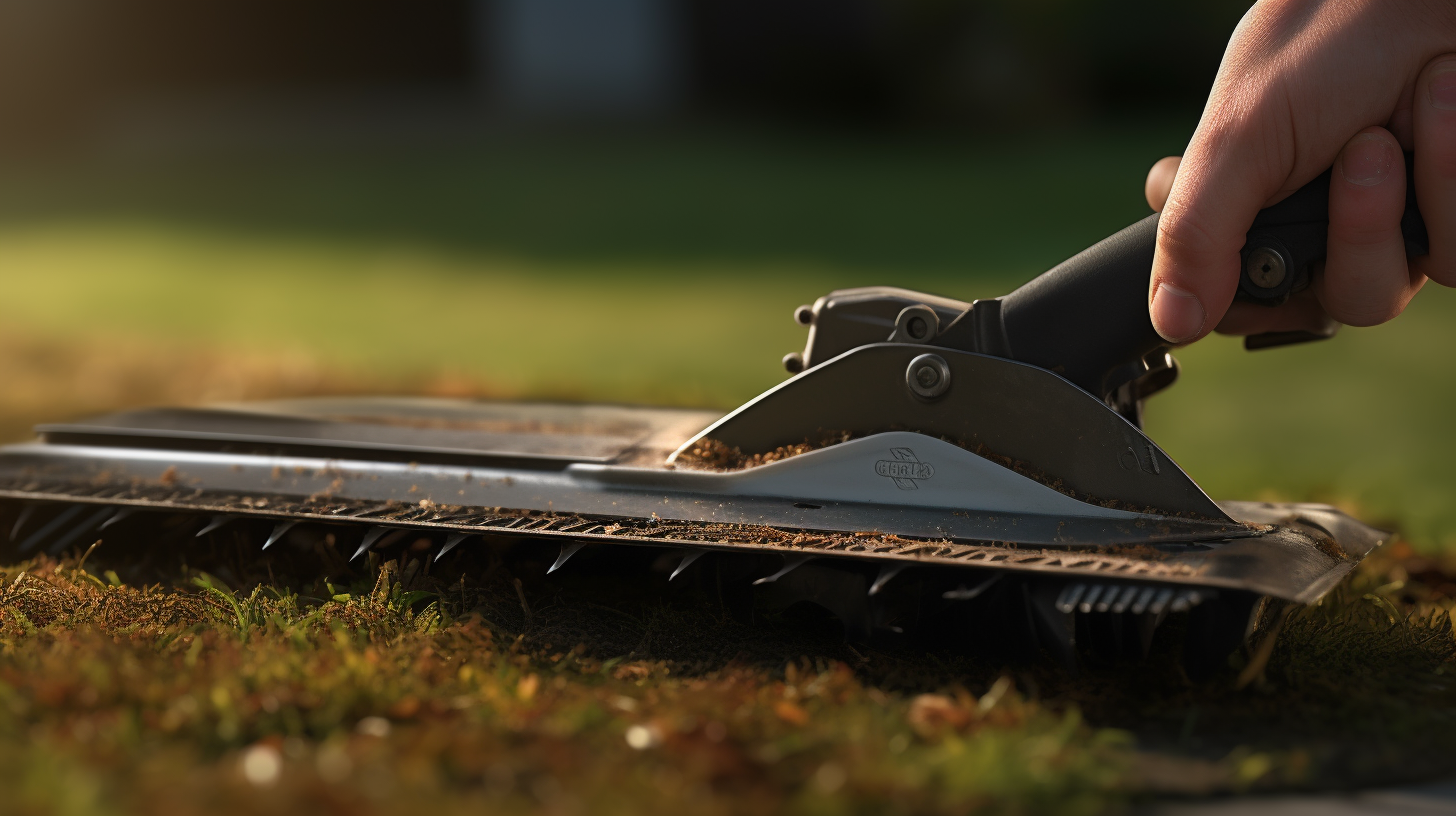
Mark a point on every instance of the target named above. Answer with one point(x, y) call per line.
point(1306, 85)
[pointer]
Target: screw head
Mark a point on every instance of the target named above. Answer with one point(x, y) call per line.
point(916, 323)
point(928, 376)
point(793, 362)
point(804, 315)
point(1265, 267)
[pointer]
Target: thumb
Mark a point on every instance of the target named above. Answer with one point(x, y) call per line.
point(1200, 232)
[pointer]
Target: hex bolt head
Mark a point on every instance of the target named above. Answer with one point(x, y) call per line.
point(928, 376)
point(804, 315)
point(1265, 267)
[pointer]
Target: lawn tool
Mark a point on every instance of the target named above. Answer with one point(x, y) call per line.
point(972, 473)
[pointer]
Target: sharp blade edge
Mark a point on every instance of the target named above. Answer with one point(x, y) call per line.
point(451, 543)
point(370, 538)
point(216, 522)
point(688, 558)
point(792, 562)
point(278, 531)
point(567, 551)
point(120, 514)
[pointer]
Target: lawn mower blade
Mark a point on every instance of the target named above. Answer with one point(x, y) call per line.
point(898, 533)
point(972, 471)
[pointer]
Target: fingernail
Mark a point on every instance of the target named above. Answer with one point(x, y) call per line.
point(1177, 314)
point(1366, 160)
point(1443, 87)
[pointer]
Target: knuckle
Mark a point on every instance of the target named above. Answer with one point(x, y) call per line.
point(1364, 236)
point(1185, 234)
point(1436, 64)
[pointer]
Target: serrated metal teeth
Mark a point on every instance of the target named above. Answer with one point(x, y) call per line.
point(567, 551)
point(1161, 601)
point(1144, 598)
point(450, 543)
point(1071, 595)
point(791, 563)
point(1118, 599)
point(279, 530)
point(120, 514)
point(1129, 594)
point(962, 593)
point(1186, 600)
point(370, 537)
point(688, 558)
point(887, 573)
point(215, 523)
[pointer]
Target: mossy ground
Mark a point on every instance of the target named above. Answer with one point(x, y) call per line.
point(138, 682)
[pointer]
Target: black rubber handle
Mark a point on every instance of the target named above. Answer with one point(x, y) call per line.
point(1087, 318)
point(1287, 244)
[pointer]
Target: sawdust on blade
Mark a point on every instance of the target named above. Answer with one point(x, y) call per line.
point(715, 455)
point(712, 454)
point(427, 514)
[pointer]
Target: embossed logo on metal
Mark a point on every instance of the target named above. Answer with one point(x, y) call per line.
point(905, 469)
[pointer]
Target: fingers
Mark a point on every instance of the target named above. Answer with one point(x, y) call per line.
point(1365, 279)
point(1160, 181)
point(1433, 116)
point(1213, 199)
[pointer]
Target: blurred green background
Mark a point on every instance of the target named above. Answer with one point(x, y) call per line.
point(394, 217)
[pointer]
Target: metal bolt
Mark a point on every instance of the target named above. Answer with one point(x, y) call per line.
point(804, 315)
point(917, 328)
point(1265, 267)
point(793, 362)
point(928, 376)
point(915, 324)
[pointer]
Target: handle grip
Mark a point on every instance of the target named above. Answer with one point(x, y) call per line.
point(1087, 318)
point(1286, 245)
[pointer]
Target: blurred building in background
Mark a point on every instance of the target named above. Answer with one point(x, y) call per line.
point(580, 58)
point(76, 71)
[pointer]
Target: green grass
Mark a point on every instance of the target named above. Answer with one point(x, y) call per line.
point(659, 270)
